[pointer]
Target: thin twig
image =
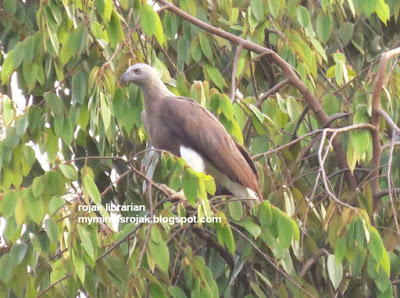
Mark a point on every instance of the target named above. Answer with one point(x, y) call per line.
point(392, 191)
point(321, 252)
point(331, 130)
point(270, 261)
point(234, 69)
point(322, 169)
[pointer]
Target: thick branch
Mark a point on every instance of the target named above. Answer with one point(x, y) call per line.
point(376, 107)
point(286, 68)
point(389, 120)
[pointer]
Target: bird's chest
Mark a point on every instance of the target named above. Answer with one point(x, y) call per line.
point(159, 134)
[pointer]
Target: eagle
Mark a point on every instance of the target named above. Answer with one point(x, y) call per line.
point(186, 129)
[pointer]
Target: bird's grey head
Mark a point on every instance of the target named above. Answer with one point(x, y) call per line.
point(140, 74)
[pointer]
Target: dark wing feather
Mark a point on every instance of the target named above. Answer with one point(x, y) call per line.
point(193, 126)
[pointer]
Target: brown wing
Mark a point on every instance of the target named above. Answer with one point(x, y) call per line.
point(193, 126)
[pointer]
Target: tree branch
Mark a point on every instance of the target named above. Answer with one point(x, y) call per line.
point(376, 107)
point(234, 69)
point(313, 260)
point(271, 91)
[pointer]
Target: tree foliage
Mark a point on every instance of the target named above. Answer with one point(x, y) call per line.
point(291, 80)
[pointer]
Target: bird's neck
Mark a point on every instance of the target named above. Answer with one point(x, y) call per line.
point(154, 92)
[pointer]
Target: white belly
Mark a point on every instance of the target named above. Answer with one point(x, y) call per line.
point(194, 160)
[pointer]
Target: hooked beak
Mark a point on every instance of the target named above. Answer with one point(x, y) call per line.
point(124, 78)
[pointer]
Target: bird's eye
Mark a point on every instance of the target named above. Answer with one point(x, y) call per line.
point(137, 70)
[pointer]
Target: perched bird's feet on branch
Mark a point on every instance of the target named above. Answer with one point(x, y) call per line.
point(173, 195)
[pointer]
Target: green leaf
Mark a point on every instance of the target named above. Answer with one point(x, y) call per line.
point(360, 140)
point(8, 203)
point(29, 72)
point(385, 262)
point(324, 28)
point(345, 32)
point(79, 87)
point(229, 241)
point(352, 156)
point(156, 234)
point(79, 265)
point(260, 144)
point(206, 46)
point(226, 106)
point(157, 291)
point(54, 40)
point(37, 186)
point(51, 227)
point(6, 268)
point(68, 171)
point(369, 7)
point(114, 30)
point(257, 8)
point(382, 281)
point(375, 245)
point(12, 138)
point(340, 248)
point(195, 50)
point(176, 292)
point(209, 184)
point(18, 252)
point(86, 242)
point(55, 204)
point(235, 210)
point(54, 103)
point(285, 231)
point(91, 189)
point(319, 48)
point(8, 110)
point(265, 214)
point(330, 104)
point(22, 125)
point(54, 184)
point(161, 254)
point(215, 76)
point(148, 20)
point(159, 31)
point(10, 6)
point(7, 67)
point(303, 17)
point(382, 10)
point(189, 184)
point(83, 118)
point(273, 6)
point(104, 8)
point(358, 261)
point(105, 111)
point(34, 206)
point(335, 271)
point(68, 133)
point(251, 227)
point(35, 242)
point(58, 123)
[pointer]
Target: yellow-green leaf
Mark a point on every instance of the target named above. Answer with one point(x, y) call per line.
point(86, 242)
point(148, 20)
point(91, 189)
point(51, 229)
point(285, 231)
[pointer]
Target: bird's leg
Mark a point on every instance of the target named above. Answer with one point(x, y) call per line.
point(173, 194)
